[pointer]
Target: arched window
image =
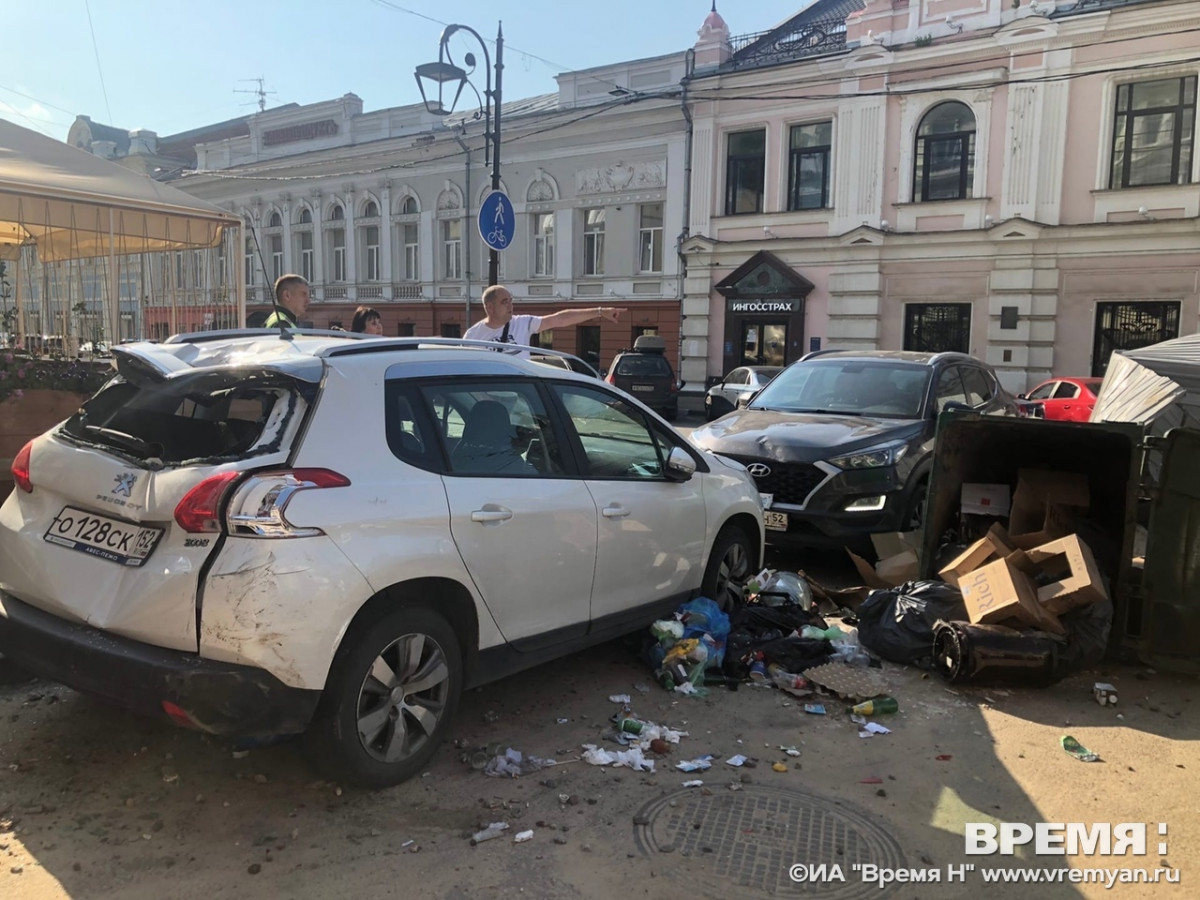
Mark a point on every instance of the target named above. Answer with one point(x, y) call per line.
point(370, 211)
point(275, 221)
point(305, 217)
point(337, 212)
point(409, 206)
point(945, 153)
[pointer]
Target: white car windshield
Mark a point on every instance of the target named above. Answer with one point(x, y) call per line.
point(848, 387)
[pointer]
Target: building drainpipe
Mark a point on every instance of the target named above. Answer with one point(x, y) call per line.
point(689, 69)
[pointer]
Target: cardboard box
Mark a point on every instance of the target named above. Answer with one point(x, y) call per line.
point(985, 500)
point(1045, 505)
point(994, 545)
point(1077, 579)
point(898, 559)
point(1002, 590)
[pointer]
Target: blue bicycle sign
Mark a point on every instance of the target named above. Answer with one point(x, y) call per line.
point(497, 220)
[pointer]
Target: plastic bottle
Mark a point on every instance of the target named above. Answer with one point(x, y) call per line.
point(875, 706)
point(492, 831)
point(630, 726)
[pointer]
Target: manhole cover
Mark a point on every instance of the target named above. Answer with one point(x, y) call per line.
point(749, 839)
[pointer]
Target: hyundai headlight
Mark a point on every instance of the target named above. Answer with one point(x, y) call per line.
point(872, 457)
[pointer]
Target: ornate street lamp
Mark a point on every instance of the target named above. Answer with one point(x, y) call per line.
point(447, 79)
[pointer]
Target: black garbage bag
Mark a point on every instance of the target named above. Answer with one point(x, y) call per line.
point(1087, 636)
point(897, 623)
point(752, 626)
point(795, 653)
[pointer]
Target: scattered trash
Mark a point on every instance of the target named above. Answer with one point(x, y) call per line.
point(816, 709)
point(633, 758)
point(492, 831)
point(695, 782)
point(737, 760)
point(898, 623)
point(620, 698)
point(797, 685)
point(1077, 750)
point(642, 688)
point(875, 706)
point(630, 726)
point(779, 767)
point(513, 763)
point(873, 728)
point(407, 843)
point(944, 757)
point(522, 836)
point(695, 765)
point(871, 779)
point(1105, 693)
point(659, 746)
point(790, 751)
point(563, 721)
point(240, 754)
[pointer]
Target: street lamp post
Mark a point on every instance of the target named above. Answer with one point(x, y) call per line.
point(445, 77)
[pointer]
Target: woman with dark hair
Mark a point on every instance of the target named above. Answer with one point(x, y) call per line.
point(367, 321)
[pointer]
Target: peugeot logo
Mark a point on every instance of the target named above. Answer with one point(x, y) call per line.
point(759, 470)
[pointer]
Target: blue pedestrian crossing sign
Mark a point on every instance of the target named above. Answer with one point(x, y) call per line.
point(497, 220)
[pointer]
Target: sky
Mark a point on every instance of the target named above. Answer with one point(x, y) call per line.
point(170, 66)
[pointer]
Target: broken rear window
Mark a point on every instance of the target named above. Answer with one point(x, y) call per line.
point(209, 415)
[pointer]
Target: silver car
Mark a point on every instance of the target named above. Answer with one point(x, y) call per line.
point(742, 382)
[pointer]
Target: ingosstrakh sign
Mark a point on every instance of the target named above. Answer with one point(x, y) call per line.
point(763, 306)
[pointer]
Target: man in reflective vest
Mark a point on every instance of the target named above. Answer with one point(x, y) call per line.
point(291, 302)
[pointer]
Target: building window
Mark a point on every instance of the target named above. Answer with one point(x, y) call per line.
point(409, 206)
point(412, 254)
point(370, 211)
point(451, 330)
point(937, 327)
point(543, 244)
point(249, 261)
point(593, 242)
point(945, 153)
point(808, 166)
point(374, 260)
point(338, 242)
point(307, 267)
point(452, 249)
point(276, 257)
point(1153, 133)
point(305, 217)
point(1130, 325)
point(275, 221)
point(745, 170)
point(406, 329)
point(650, 237)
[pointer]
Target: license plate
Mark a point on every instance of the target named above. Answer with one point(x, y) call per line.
point(120, 542)
point(775, 521)
point(643, 388)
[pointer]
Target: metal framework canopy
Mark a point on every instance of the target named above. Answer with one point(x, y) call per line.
point(73, 205)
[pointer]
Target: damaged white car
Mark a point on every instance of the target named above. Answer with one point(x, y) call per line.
point(257, 534)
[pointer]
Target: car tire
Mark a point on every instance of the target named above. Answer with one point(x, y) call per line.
point(729, 567)
point(391, 693)
point(914, 513)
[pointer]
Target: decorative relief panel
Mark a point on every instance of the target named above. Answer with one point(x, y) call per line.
point(621, 177)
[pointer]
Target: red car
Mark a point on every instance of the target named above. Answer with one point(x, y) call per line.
point(1066, 399)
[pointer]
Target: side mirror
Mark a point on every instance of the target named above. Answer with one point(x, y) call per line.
point(743, 401)
point(1022, 397)
point(680, 465)
point(682, 385)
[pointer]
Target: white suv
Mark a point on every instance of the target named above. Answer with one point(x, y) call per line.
point(258, 534)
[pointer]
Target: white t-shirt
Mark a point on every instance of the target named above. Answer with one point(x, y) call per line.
point(520, 330)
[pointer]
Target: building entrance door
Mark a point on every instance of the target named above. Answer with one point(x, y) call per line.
point(764, 344)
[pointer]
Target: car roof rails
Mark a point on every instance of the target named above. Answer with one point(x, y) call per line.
point(649, 343)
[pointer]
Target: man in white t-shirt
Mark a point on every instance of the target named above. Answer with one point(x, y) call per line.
point(503, 327)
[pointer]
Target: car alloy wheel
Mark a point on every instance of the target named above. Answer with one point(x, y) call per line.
point(391, 694)
point(729, 568)
point(402, 698)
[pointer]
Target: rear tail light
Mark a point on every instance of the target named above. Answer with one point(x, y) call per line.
point(259, 506)
point(20, 468)
point(611, 378)
point(200, 509)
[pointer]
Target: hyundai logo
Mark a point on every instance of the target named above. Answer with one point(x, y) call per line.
point(759, 470)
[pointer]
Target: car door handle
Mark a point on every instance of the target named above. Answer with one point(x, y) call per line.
point(615, 512)
point(491, 514)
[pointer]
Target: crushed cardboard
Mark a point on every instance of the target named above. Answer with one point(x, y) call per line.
point(985, 500)
point(849, 682)
point(1045, 504)
point(1004, 590)
point(899, 559)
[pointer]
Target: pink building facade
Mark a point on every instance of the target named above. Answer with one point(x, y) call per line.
point(1016, 181)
